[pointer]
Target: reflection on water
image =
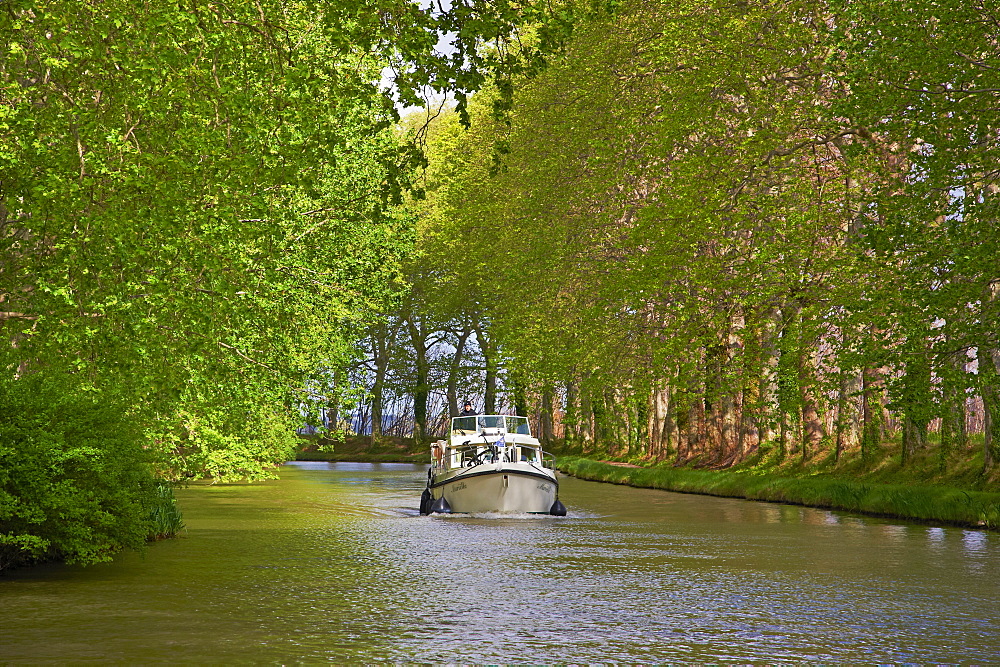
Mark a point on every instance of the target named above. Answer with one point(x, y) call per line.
point(333, 562)
point(975, 542)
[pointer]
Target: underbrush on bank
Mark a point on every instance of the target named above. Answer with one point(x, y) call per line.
point(361, 449)
point(76, 483)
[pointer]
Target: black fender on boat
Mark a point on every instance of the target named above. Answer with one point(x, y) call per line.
point(441, 506)
point(557, 509)
point(426, 500)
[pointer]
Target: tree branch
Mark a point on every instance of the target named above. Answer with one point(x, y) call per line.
point(250, 359)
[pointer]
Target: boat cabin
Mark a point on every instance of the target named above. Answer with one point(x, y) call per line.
point(488, 439)
point(489, 425)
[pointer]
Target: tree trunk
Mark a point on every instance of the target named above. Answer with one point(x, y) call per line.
point(729, 398)
point(714, 438)
point(989, 378)
point(380, 357)
point(545, 419)
point(454, 370)
point(519, 396)
point(604, 431)
point(490, 359)
point(490, 392)
point(683, 409)
point(916, 398)
point(768, 404)
point(586, 423)
point(789, 372)
point(954, 433)
point(989, 382)
point(750, 398)
point(848, 416)
point(871, 413)
point(572, 417)
point(812, 426)
point(421, 389)
point(333, 405)
point(661, 423)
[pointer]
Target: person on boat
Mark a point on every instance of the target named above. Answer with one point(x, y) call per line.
point(437, 452)
point(467, 410)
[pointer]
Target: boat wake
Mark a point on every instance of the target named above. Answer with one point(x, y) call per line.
point(518, 516)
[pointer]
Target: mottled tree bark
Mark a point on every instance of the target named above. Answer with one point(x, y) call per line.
point(989, 390)
point(872, 423)
point(729, 398)
point(661, 423)
point(572, 416)
point(586, 419)
point(455, 368)
point(954, 432)
point(767, 409)
point(545, 420)
point(916, 399)
point(847, 423)
point(812, 425)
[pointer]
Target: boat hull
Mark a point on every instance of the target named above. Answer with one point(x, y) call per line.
point(497, 487)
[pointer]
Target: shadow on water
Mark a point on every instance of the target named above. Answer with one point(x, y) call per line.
point(333, 562)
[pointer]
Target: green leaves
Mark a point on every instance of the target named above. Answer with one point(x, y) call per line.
point(74, 478)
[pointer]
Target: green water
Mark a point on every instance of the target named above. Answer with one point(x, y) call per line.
point(332, 562)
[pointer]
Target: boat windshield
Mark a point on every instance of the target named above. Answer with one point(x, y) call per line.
point(518, 425)
point(463, 425)
point(489, 421)
point(503, 423)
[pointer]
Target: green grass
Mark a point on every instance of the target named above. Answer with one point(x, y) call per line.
point(924, 490)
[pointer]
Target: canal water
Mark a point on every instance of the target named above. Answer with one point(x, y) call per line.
point(332, 562)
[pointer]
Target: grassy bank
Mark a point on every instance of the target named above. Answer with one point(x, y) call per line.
point(873, 494)
point(361, 449)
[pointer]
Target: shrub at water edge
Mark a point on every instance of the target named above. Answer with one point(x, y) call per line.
point(75, 481)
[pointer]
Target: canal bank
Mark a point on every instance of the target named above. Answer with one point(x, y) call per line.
point(971, 508)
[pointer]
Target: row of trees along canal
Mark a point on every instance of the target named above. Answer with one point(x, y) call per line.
point(712, 228)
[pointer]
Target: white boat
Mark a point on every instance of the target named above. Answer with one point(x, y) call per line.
point(491, 463)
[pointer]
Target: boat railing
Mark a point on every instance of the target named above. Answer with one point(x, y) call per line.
point(444, 457)
point(548, 460)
